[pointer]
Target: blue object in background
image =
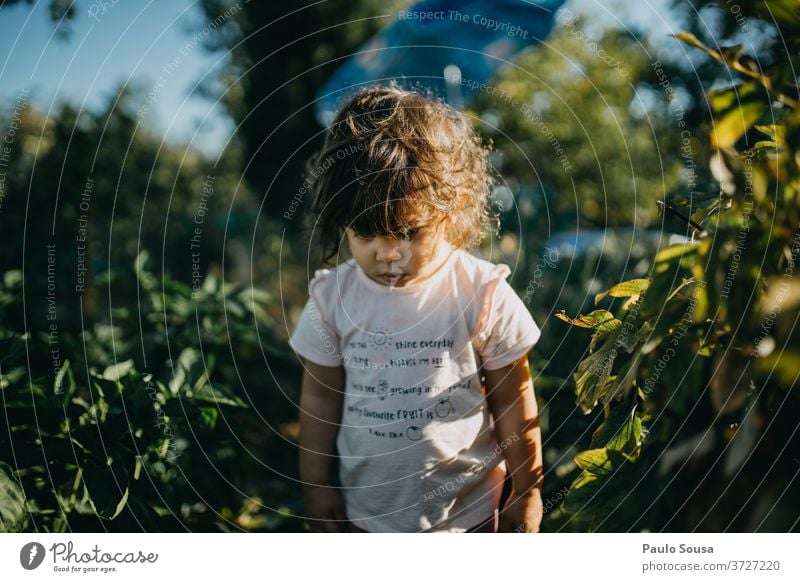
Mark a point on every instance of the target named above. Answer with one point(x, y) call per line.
point(448, 46)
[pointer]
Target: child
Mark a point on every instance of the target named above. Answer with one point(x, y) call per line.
point(415, 352)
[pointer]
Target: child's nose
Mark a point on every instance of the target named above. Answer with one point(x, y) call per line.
point(389, 250)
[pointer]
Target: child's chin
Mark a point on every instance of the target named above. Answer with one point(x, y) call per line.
point(393, 281)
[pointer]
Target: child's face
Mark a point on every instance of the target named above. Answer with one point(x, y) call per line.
point(397, 262)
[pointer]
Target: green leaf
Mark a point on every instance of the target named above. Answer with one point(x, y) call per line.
point(12, 502)
point(118, 371)
point(141, 261)
point(673, 251)
point(107, 490)
point(701, 214)
point(765, 145)
point(233, 307)
point(735, 110)
point(705, 350)
point(600, 462)
point(11, 377)
point(58, 385)
point(680, 252)
point(594, 320)
point(189, 369)
point(776, 133)
point(218, 395)
point(693, 197)
point(208, 416)
point(211, 284)
point(12, 278)
point(621, 430)
point(604, 330)
point(592, 377)
point(141, 267)
point(624, 289)
point(583, 492)
point(253, 294)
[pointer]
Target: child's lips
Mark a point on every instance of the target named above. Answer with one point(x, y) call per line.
point(392, 279)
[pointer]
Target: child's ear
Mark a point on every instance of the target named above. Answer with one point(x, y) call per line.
point(344, 248)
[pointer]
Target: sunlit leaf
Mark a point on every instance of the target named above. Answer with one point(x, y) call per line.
point(621, 430)
point(692, 40)
point(58, 384)
point(591, 378)
point(218, 394)
point(107, 490)
point(593, 320)
point(600, 462)
point(701, 214)
point(188, 370)
point(583, 492)
point(776, 133)
point(735, 110)
point(12, 502)
point(118, 371)
point(624, 289)
point(604, 330)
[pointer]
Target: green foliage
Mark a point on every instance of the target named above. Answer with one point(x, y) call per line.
point(12, 501)
point(114, 439)
point(697, 378)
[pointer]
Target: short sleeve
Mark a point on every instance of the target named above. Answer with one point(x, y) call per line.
point(314, 337)
point(509, 331)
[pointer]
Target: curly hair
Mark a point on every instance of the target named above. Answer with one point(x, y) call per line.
point(393, 161)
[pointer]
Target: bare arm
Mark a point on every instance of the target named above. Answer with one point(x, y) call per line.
point(511, 399)
point(321, 401)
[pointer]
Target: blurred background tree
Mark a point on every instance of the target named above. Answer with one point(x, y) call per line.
point(280, 55)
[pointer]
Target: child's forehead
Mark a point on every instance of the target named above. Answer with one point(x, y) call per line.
point(411, 224)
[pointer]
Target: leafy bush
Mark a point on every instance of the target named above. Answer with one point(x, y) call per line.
point(695, 366)
point(136, 430)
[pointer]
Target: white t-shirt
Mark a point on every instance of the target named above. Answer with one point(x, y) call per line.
point(416, 444)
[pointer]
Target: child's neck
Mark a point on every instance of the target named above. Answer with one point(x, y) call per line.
point(442, 254)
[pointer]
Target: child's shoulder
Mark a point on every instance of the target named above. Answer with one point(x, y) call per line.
point(478, 271)
point(327, 275)
point(332, 282)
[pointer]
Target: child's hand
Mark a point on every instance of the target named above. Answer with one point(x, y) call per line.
point(522, 513)
point(325, 509)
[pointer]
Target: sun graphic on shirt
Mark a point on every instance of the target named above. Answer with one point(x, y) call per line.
point(381, 339)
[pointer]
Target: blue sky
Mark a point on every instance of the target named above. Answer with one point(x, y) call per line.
point(132, 42)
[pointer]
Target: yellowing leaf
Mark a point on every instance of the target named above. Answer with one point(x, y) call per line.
point(776, 133)
point(735, 110)
point(624, 289)
point(593, 320)
point(692, 40)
